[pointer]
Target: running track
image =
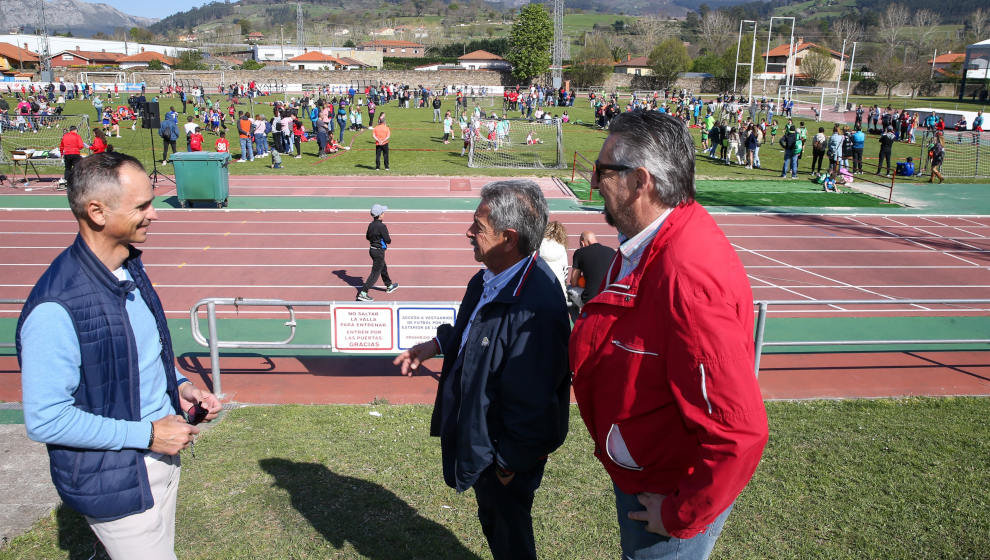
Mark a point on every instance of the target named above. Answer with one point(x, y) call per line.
point(322, 255)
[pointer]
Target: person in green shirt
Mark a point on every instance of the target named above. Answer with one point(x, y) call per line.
point(773, 131)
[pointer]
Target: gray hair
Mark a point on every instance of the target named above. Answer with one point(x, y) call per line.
point(97, 177)
point(517, 204)
point(661, 144)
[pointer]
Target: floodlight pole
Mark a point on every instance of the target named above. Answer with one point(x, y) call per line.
point(934, 56)
point(842, 58)
point(852, 61)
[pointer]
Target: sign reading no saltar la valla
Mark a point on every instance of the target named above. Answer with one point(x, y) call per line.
point(384, 328)
point(363, 329)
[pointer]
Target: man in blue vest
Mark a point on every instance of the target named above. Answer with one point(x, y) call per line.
point(98, 373)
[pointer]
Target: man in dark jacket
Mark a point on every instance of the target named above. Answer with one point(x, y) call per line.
point(169, 131)
point(377, 236)
point(98, 372)
point(502, 401)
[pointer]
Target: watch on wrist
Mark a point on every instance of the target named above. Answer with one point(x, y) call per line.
point(151, 440)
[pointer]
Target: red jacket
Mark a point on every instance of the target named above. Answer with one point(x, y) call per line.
point(71, 143)
point(666, 356)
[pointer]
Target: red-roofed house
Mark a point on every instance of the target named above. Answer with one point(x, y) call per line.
point(483, 60)
point(141, 60)
point(85, 58)
point(315, 60)
point(13, 58)
point(401, 49)
point(948, 64)
point(638, 66)
point(776, 58)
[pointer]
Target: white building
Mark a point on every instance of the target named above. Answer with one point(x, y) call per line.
point(272, 54)
point(59, 44)
point(483, 60)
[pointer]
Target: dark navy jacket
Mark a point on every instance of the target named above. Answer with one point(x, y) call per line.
point(509, 397)
point(98, 483)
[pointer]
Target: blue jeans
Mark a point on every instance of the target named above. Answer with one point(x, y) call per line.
point(246, 149)
point(341, 125)
point(639, 544)
point(261, 141)
point(790, 160)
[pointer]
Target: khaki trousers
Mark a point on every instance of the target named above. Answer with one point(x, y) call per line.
point(149, 535)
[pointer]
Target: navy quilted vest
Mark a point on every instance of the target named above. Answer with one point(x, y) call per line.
point(102, 484)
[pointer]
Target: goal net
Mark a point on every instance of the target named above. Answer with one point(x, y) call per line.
point(809, 100)
point(37, 137)
point(517, 144)
point(967, 154)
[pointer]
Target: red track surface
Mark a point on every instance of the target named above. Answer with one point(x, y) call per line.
point(322, 255)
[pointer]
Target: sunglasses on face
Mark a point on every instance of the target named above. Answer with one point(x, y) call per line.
point(599, 167)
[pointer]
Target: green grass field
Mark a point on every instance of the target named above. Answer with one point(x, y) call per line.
point(839, 479)
point(416, 149)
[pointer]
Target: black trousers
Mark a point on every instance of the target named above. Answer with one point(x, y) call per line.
point(858, 159)
point(165, 145)
point(505, 512)
point(816, 161)
point(884, 154)
point(378, 268)
point(70, 161)
point(379, 150)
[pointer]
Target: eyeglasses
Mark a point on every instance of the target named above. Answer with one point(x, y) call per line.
point(599, 167)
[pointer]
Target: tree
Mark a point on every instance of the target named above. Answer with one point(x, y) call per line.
point(245, 26)
point(817, 66)
point(888, 69)
point(668, 59)
point(349, 44)
point(925, 21)
point(141, 35)
point(978, 22)
point(190, 60)
point(529, 42)
point(846, 30)
point(714, 31)
point(251, 64)
point(592, 65)
point(917, 73)
point(651, 29)
point(893, 22)
point(155, 64)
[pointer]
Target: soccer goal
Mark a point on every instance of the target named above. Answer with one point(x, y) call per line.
point(36, 138)
point(967, 154)
point(517, 144)
point(809, 100)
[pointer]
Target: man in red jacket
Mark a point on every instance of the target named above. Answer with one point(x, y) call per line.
point(663, 355)
point(70, 147)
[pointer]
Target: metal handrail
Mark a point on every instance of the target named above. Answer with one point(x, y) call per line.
point(763, 306)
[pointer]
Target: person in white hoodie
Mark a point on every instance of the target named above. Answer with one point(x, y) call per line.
point(553, 249)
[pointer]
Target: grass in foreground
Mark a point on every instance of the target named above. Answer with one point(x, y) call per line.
point(839, 479)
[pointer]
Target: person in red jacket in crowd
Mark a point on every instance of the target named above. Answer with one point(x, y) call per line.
point(99, 144)
point(70, 147)
point(662, 357)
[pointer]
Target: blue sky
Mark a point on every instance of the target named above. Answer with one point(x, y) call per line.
point(151, 9)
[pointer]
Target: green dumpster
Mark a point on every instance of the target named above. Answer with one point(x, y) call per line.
point(201, 176)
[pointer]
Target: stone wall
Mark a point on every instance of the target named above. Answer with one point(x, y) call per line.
point(211, 79)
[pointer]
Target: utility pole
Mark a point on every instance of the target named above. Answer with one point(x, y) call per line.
point(556, 64)
point(281, 43)
point(45, 57)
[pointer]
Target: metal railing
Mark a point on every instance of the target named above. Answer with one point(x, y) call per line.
point(763, 307)
point(213, 342)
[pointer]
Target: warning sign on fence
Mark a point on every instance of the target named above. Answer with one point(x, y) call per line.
point(418, 324)
point(363, 329)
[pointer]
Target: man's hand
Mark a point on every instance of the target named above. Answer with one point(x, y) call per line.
point(190, 395)
point(172, 435)
point(652, 503)
point(410, 360)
